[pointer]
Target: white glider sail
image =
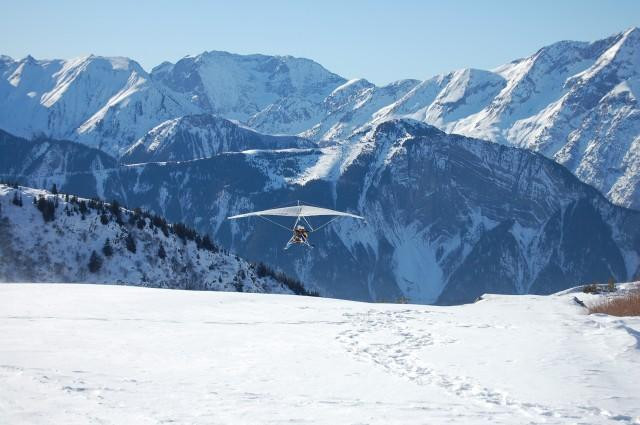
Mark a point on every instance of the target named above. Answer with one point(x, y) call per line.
point(298, 211)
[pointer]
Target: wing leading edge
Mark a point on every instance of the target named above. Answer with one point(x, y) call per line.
point(298, 211)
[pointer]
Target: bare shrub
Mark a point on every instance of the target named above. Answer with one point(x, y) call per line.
point(624, 305)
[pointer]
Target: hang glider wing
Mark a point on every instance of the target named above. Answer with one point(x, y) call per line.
point(298, 211)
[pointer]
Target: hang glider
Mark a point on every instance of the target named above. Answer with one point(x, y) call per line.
point(300, 212)
point(297, 211)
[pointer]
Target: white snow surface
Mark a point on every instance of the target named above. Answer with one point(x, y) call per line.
point(78, 354)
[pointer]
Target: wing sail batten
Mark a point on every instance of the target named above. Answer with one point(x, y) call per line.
point(297, 211)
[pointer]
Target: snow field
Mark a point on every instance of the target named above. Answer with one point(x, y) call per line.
point(110, 354)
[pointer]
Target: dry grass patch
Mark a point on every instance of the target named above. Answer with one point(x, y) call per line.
point(624, 305)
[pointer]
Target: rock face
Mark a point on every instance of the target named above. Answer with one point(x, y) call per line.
point(574, 102)
point(448, 217)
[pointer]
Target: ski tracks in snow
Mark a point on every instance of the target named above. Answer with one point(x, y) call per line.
point(398, 341)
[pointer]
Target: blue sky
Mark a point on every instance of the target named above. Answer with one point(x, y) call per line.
point(380, 41)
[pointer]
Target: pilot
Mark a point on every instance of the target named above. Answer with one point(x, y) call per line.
point(300, 234)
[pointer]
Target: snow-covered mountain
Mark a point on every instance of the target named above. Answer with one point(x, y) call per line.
point(57, 238)
point(202, 136)
point(107, 103)
point(574, 102)
point(46, 162)
point(282, 93)
point(448, 217)
point(354, 104)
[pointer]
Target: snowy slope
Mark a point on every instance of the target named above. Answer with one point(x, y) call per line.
point(32, 249)
point(352, 105)
point(80, 354)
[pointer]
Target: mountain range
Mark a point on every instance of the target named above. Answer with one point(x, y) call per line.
point(574, 102)
point(471, 182)
point(448, 217)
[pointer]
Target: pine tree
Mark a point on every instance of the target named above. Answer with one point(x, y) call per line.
point(104, 219)
point(130, 243)
point(95, 262)
point(107, 250)
point(161, 252)
point(115, 211)
point(262, 270)
point(208, 245)
point(161, 223)
point(54, 189)
point(47, 207)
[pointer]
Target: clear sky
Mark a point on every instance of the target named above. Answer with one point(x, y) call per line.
point(378, 40)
